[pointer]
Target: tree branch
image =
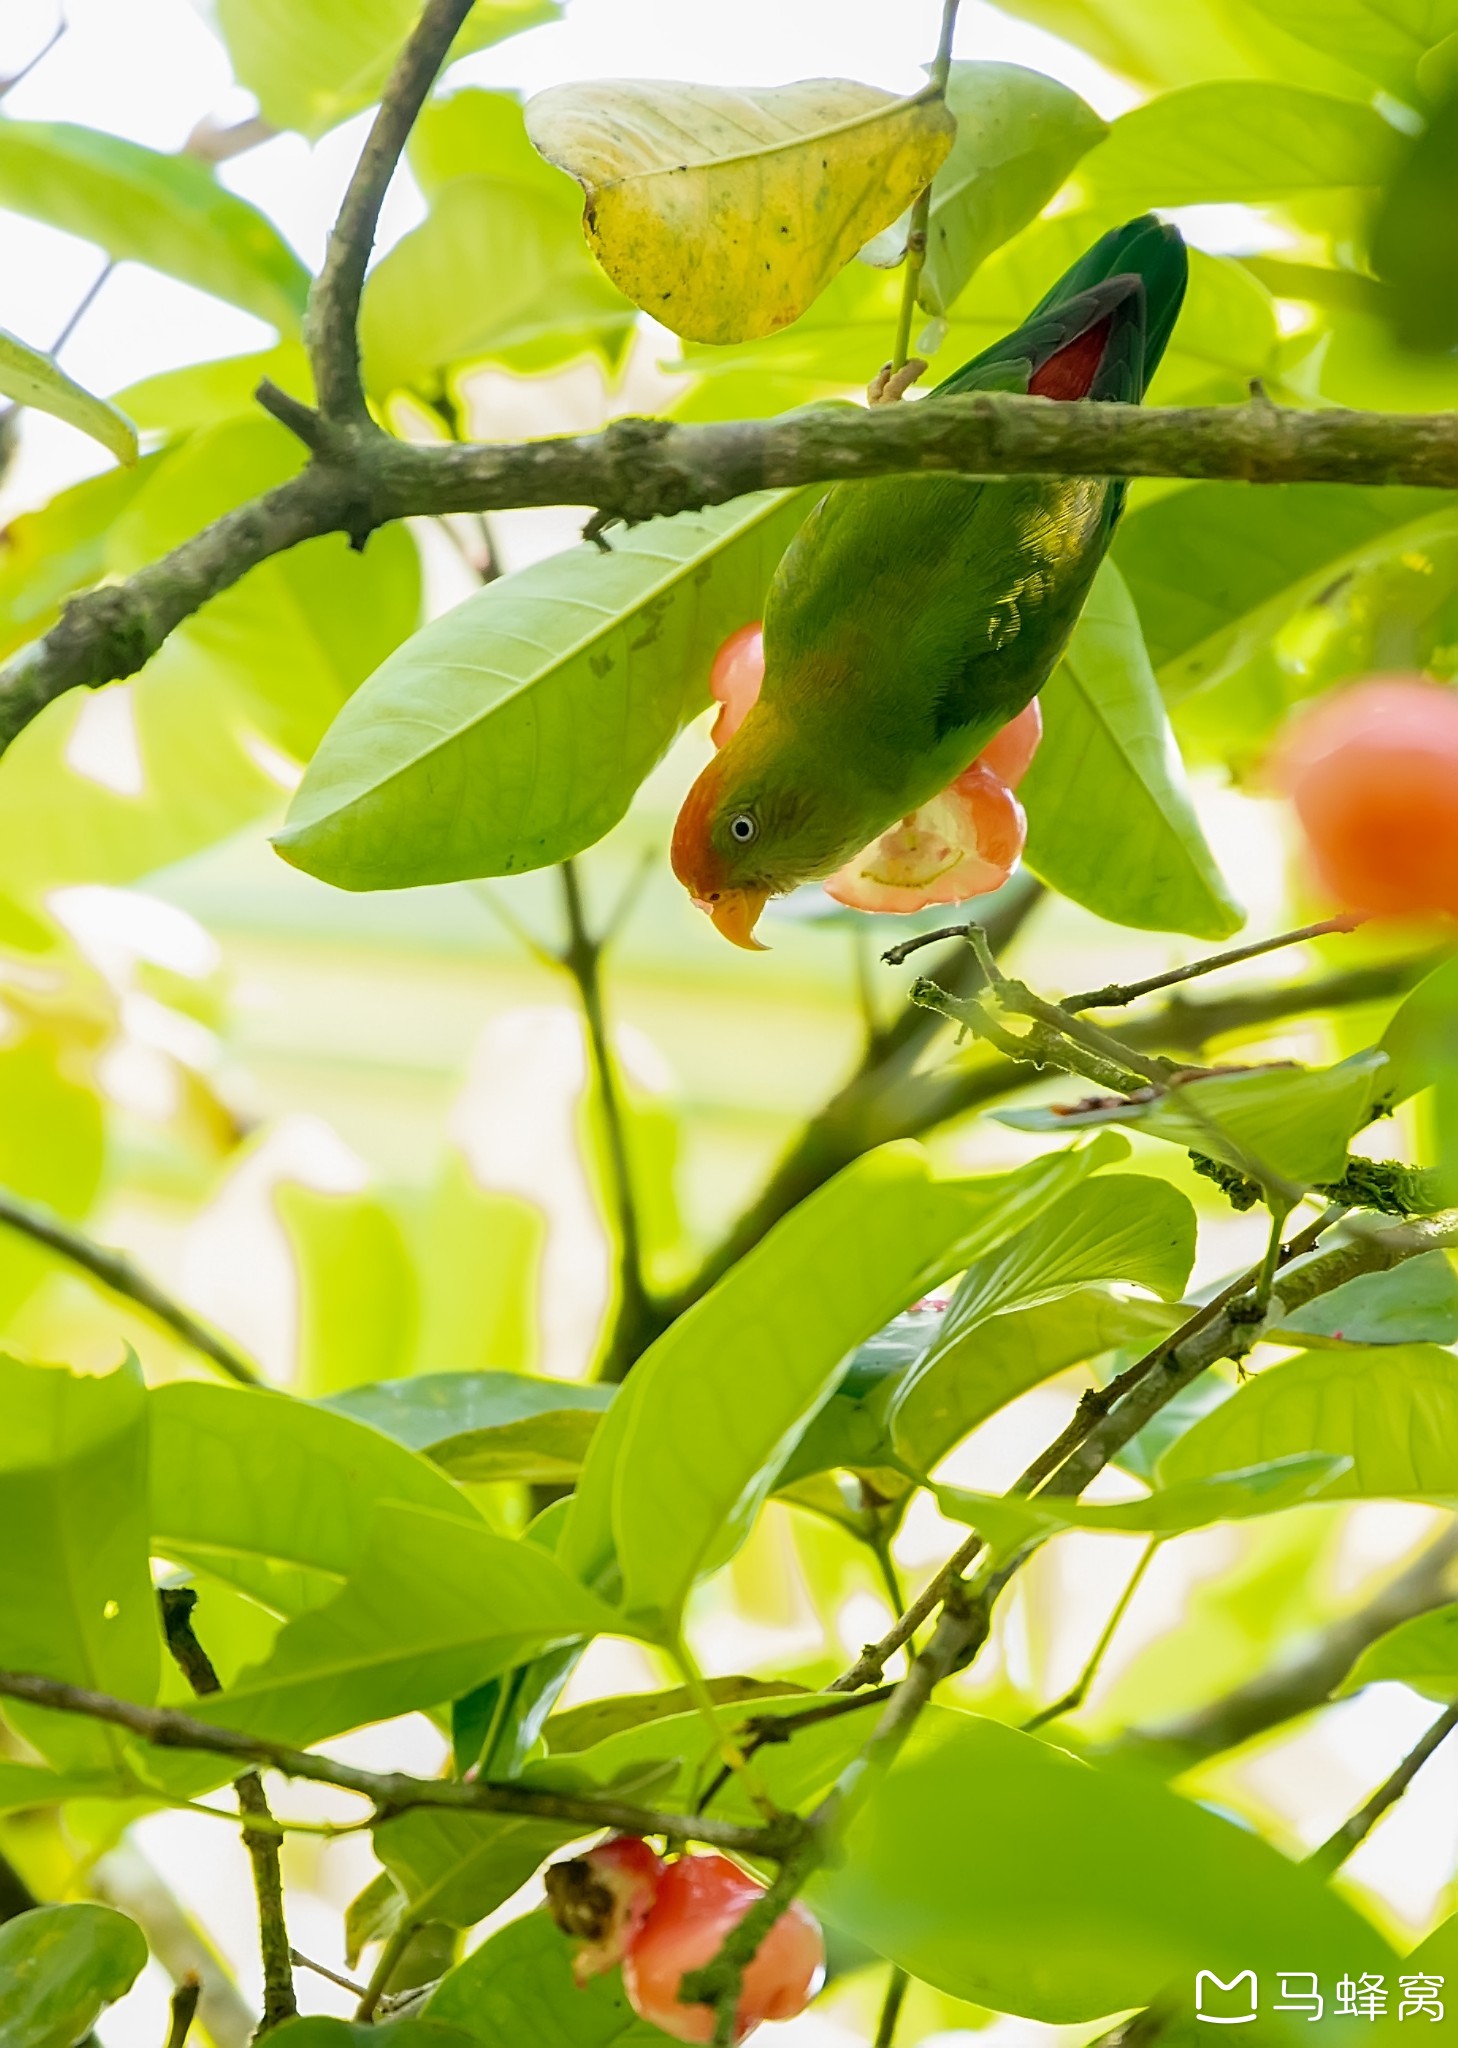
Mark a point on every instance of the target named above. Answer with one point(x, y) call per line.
point(262, 1843)
point(393, 1792)
point(641, 469)
point(1335, 1850)
point(115, 1272)
point(332, 321)
point(1116, 994)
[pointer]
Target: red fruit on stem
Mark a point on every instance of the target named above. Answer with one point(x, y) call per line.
point(602, 1899)
point(1373, 774)
point(734, 680)
point(699, 1900)
point(965, 842)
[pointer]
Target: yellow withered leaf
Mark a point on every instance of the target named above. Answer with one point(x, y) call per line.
point(723, 213)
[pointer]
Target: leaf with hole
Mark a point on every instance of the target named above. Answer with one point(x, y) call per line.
point(724, 214)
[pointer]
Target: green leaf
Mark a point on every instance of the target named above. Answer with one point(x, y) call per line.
point(478, 134)
point(34, 379)
point(1286, 1126)
point(1004, 1356)
point(76, 1595)
point(313, 63)
point(495, 273)
point(1128, 1227)
point(1019, 134)
point(434, 1408)
point(371, 1915)
point(435, 1606)
point(1393, 1412)
point(1009, 1520)
point(1076, 1914)
point(1110, 821)
point(677, 1473)
point(518, 1987)
point(578, 1728)
point(541, 1450)
point(1201, 39)
point(357, 1296)
point(478, 1258)
point(277, 1496)
point(1421, 1043)
point(60, 1966)
point(512, 732)
point(1414, 1303)
point(1383, 40)
point(1235, 140)
point(458, 1867)
point(1414, 243)
point(1216, 569)
point(142, 206)
point(24, 1786)
point(317, 2031)
point(1421, 1652)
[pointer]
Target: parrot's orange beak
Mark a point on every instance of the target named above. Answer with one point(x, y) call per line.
point(735, 913)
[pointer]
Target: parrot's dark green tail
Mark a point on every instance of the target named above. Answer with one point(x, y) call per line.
point(1101, 330)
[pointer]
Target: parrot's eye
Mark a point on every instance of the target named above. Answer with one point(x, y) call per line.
point(743, 828)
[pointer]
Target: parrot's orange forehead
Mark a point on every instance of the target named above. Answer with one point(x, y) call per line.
point(696, 861)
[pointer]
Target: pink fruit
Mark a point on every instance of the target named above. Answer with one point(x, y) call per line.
point(965, 842)
point(1373, 774)
point(1009, 752)
point(734, 680)
point(700, 1899)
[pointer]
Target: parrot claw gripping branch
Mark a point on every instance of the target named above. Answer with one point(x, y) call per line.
point(914, 616)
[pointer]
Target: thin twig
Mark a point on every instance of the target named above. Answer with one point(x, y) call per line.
point(261, 1842)
point(891, 2007)
point(185, 1997)
point(8, 85)
point(386, 1963)
point(303, 1962)
point(582, 959)
point(916, 235)
point(1337, 1847)
point(116, 1272)
point(330, 326)
point(1115, 994)
point(394, 1792)
point(1078, 1692)
point(83, 306)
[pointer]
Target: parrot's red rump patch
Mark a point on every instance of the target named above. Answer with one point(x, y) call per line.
point(1070, 373)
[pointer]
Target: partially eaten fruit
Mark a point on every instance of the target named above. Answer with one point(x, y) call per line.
point(663, 1921)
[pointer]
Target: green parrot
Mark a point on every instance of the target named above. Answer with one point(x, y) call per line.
point(913, 616)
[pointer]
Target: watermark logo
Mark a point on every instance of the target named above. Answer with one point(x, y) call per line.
point(1226, 2005)
point(1236, 2002)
